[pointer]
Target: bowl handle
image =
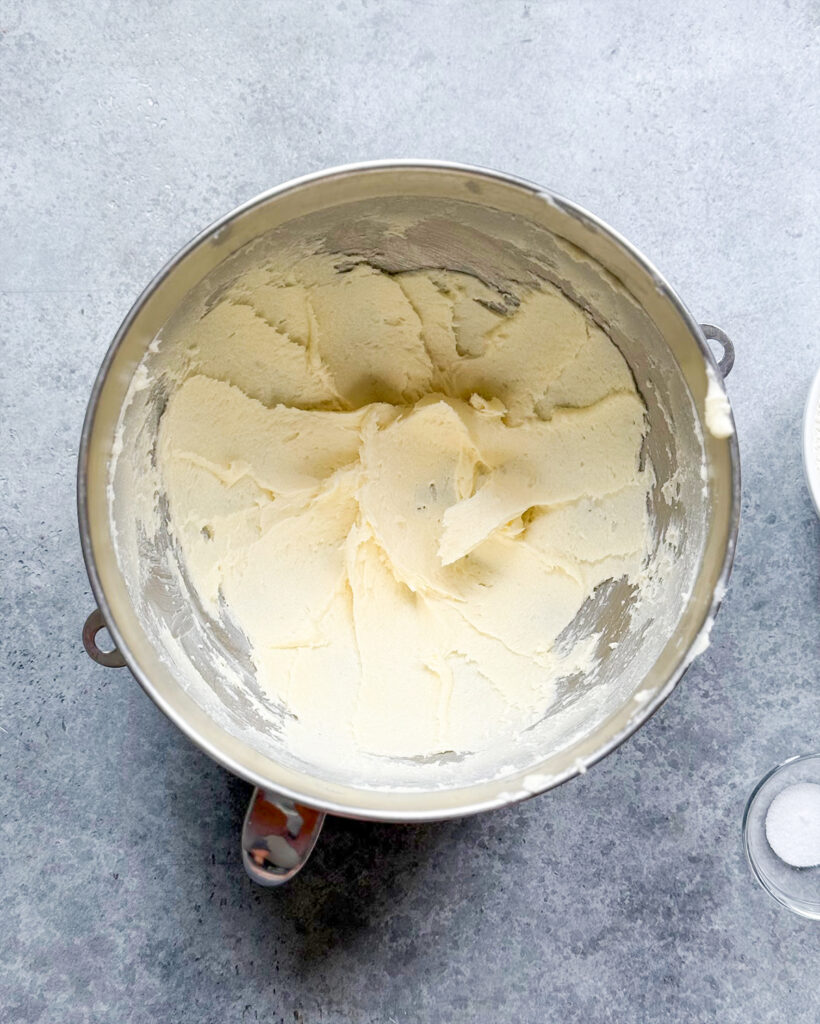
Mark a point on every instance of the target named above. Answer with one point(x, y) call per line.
point(93, 624)
point(727, 360)
point(278, 836)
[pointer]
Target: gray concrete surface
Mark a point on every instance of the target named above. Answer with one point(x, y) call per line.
point(623, 896)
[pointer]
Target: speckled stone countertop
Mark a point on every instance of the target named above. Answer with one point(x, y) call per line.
point(623, 896)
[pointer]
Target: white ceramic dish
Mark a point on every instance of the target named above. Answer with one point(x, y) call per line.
point(811, 441)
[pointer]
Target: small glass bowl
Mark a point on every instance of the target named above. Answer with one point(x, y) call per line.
point(796, 888)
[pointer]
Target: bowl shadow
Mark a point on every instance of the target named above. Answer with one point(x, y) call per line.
point(356, 878)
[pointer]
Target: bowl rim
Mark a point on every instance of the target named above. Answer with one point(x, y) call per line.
point(389, 809)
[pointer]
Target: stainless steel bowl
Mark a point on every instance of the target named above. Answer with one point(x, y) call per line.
point(512, 234)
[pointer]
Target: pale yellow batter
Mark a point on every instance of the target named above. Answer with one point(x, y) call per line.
point(402, 496)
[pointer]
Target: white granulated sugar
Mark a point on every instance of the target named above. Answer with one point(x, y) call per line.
point(793, 825)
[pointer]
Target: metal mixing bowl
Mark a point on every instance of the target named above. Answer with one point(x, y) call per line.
point(513, 235)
